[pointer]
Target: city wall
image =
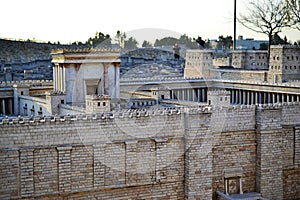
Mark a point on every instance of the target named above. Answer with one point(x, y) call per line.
point(153, 154)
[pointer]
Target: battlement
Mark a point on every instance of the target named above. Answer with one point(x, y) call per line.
point(54, 92)
point(199, 51)
point(277, 106)
point(98, 97)
point(133, 113)
point(249, 51)
point(85, 50)
point(285, 46)
point(219, 92)
point(30, 120)
point(30, 83)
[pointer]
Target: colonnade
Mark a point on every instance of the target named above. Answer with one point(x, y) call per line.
point(237, 96)
point(59, 78)
point(6, 106)
point(196, 94)
point(247, 97)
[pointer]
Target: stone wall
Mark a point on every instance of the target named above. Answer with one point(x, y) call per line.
point(121, 156)
point(247, 75)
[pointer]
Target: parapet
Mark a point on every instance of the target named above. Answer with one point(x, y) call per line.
point(30, 83)
point(277, 106)
point(218, 92)
point(55, 92)
point(85, 50)
point(98, 97)
point(199, 51)
point(132, 113)
point(285, 47)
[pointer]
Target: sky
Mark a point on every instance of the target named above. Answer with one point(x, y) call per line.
point(77, 20)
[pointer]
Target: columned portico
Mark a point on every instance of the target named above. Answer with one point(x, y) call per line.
point(237, 96)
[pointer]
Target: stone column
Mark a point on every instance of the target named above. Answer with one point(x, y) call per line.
point(236, 97)
point(64, 168)
point(260, 98)
point(188, 95)
point(226, 186)
point(256, 98)
point(194, 95)
point(3, 106)
point(231, 97)
point(64, 79)
point(10, 106)
point(240, 97)
point(252, 98)
point(182, 95)
point(287, 98)
point(117, 90)
point(198, 97)
point(269, 98)
point(264, 98)
point(244, 98)
point(298, 98)
point(54, 77)
point(106, 92)
point(273, 98)
point(26, 172)
point(59, 78)
point(292, 98)
point(248, 98)
point(203, 95)
point(241, 185)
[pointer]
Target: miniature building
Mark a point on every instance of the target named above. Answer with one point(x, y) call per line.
point(198, 63)
point(284, 64)
point(243, 59)
point(97, 104)
point(161, 93)
point(86, 72)
point(218, 98)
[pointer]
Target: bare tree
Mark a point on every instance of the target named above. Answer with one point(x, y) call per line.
point(293, 10)
point(265, 16)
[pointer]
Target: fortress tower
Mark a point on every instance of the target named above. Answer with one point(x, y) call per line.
point(198, 63)
point(284, 64)
point(86, 72)
point(249, 60)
